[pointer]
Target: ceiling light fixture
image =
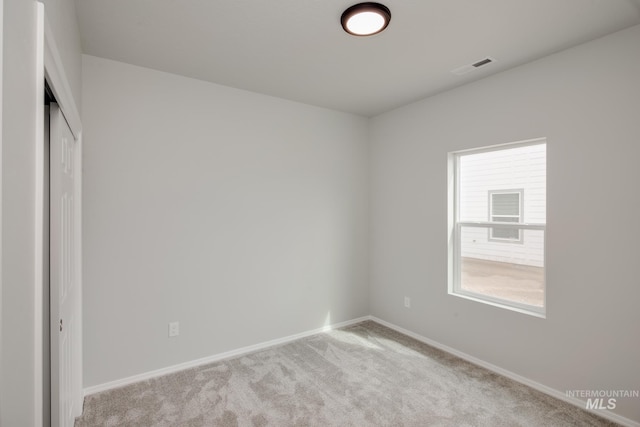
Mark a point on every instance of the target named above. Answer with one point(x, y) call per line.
point(365, 19)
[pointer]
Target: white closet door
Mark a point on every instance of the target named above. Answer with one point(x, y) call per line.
point(64, 293)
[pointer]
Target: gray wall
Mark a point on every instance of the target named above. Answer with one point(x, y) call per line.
point(17, 385)
point(586, 101)
point(19, 306)
point(242, 216)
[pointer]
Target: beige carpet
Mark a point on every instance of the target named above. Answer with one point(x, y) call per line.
point(363, 375)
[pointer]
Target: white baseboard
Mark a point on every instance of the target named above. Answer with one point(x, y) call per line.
point(526, 381)
point(215, 358)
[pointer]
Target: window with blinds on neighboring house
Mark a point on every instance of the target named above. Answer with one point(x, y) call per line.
point(505, 206)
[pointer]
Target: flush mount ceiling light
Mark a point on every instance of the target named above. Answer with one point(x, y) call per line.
point(365, 19)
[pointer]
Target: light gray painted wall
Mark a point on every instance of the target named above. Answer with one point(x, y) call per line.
point(586, 101)
point(242, 216)
point(1, 117)
point(17, 385)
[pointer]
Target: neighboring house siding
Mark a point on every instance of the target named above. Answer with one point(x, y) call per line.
point(519, 169)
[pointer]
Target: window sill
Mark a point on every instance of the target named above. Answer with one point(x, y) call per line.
point(533, 311)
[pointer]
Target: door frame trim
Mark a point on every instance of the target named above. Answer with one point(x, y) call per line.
point(55, 75)
point(49, 66)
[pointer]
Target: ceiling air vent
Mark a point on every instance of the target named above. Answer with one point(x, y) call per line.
point(472, 67)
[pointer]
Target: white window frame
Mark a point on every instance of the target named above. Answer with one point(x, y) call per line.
point(455, 230)
point(520, 216)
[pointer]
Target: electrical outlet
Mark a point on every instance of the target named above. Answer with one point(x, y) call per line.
point(174, 329)
point(407, 302)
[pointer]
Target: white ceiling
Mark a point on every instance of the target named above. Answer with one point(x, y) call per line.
point(296, 49)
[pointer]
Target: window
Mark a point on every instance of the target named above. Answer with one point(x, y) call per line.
point(505, 206)
point(497, 217)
